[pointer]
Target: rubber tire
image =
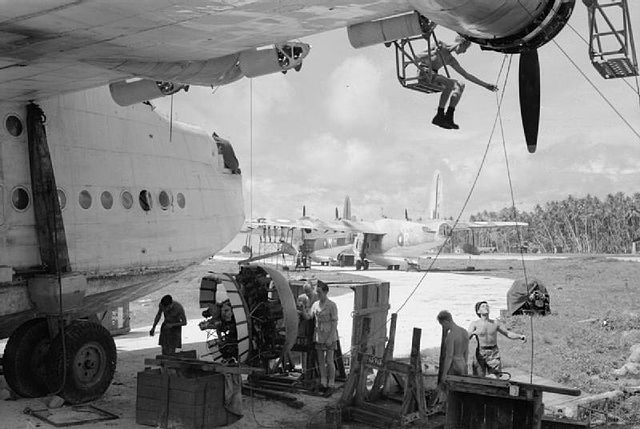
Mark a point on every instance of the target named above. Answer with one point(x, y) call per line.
point(81, 338)
point(365, 265)
point(358, 265)
point(20, 369)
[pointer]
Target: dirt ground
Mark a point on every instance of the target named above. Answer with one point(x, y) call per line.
point(595, 318)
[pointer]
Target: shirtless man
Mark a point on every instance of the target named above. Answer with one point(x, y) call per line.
point(487, 358)
point(456, 346)
point(452, 89)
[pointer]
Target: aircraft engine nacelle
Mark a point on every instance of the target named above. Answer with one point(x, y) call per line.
point(542, 28)
point(127, 93)
point(280, 58)
point(384, 30)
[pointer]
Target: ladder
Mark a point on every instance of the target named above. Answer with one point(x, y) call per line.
point(611, 47)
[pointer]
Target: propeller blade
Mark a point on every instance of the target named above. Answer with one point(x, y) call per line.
point(304, 211)
point(530, 97)
point(406, 214)
point(337, 214)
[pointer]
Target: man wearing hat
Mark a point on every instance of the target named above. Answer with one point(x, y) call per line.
point(487, 356)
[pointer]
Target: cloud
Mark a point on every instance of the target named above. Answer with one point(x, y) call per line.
point(354, 93)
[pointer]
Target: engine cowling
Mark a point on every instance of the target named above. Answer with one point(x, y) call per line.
point(127, 93)
point(279, 58)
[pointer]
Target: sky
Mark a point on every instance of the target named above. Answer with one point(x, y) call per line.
point(343, 125)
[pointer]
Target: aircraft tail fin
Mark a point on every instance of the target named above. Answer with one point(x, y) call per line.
point(346, 209)
point(435, 204)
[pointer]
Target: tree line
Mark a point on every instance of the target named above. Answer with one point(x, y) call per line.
point(573, 225)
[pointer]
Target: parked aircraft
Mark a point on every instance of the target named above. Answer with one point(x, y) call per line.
point(402, 243)
point(95, 196)
point(312, 238)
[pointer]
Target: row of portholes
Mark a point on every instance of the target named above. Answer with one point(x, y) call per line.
point(20, 199)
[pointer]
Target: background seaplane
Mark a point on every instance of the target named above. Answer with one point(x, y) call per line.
point(100, 200)
point(306, 239)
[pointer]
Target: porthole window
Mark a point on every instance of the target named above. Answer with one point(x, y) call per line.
point(106, 199)
point(20, 199)
point(62, 199)
point(126, 199)
point(84, 199)
point(165, 200)
point(145, 200)
point(181, 200)
point(14, 126)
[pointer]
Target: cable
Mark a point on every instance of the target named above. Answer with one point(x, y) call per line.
point(448, 239)
point(515, 218)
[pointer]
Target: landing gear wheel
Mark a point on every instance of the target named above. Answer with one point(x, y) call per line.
point(365, 265)
point(358, 265)
point(24, 359)
point(88, 362)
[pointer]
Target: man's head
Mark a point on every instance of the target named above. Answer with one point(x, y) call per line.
point(322, 288)
point(308, 288)
point(166, 301)
point(461, 45)
point(482, 308)
point(226, 312)
point(445, 319)
point(302, 302)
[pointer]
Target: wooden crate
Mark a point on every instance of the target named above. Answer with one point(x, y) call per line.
point(171, 401)
point(482, 403)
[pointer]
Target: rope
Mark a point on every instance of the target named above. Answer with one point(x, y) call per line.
point(250, 163)
point(448, 239)
point(515, 218)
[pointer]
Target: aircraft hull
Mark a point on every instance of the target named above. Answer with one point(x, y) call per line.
point(104, 157)
point(138, 204)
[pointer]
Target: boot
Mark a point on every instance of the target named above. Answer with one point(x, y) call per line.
point(449, 117)
point(440, 119)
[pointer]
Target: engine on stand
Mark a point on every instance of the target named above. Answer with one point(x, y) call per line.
point(258, 302)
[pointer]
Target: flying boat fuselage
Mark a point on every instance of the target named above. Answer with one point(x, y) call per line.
point(135, 197)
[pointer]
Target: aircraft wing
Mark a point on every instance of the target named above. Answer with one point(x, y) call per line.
point(490, 224)
point(362, 227)
point(56, 46)
point(263, 223)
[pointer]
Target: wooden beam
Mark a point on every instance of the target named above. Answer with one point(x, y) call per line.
point(503, 384)
point(381, 377)
point(52, 240)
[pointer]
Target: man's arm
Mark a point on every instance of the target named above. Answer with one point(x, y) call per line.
point(334, 320)
point(511, 335)
point(448, 354)
point(155, 322)
point(468, 76)
point(472, 329)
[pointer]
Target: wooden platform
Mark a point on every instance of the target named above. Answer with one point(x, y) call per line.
point(482, 403)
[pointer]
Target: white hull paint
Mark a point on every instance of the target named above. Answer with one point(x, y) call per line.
point(97, 146)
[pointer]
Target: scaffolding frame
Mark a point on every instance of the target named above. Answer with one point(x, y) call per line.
point(611, 46)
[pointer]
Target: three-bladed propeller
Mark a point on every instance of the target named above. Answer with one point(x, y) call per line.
point(530, 97)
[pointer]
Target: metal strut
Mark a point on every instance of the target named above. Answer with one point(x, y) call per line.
point(611, 49)
point(415, 72)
